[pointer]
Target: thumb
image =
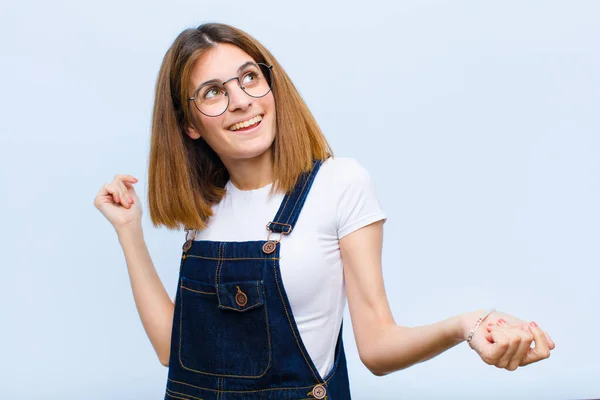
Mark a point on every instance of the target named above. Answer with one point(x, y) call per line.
point(541, 349)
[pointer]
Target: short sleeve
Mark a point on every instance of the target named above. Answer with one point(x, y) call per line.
point(358, 205)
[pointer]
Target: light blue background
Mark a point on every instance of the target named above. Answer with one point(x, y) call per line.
point(478, 122)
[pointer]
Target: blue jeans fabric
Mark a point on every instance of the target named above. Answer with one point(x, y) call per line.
point(234, 334)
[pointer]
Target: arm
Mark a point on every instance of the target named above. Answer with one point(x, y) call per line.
point(383, 346)
point(151, 299)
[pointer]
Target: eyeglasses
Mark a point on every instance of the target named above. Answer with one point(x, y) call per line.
point(212, 98)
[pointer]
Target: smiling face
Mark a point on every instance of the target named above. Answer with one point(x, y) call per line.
point(247, 128)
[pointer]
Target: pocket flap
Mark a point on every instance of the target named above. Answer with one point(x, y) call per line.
point(240, 296)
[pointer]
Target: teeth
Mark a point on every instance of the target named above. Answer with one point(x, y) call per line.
point(246, 124)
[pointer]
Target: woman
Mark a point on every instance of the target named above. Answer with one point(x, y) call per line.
point(258, 313)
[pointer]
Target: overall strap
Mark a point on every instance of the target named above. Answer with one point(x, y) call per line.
point(292, 203)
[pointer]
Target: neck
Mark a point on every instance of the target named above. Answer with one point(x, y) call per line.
point(251, 173)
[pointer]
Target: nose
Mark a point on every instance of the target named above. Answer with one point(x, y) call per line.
point(238, 99)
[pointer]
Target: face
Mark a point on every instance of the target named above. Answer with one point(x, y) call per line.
point(222, 133)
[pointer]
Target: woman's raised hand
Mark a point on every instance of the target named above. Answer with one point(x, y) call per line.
point(118, 202)
point(505, 341)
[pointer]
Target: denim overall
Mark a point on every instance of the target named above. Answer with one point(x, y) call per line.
point(234, 334)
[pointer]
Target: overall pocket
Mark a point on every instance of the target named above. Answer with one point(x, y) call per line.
point(224, 329)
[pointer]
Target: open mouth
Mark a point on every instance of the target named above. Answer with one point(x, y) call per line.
point(246, 125)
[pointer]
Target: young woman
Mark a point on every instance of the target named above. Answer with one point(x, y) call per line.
point(258, 312)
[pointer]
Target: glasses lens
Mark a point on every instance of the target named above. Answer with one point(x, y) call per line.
point(256, 80)
point(211, 99)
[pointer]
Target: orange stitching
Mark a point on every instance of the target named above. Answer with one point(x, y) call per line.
point(177, 397)
point(268, 328)
point(285, 204)
point(242, 391)
point(234, 259)
point(237, 309)
point(299, 197)
point(180, 320)
point(217, 272)
point(291, 326)
point(197, 291)
point(182, 394)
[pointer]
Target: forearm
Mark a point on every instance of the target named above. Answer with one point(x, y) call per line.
point(397, 347)
point(151, 299)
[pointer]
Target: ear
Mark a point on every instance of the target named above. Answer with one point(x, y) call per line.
point(192, 132)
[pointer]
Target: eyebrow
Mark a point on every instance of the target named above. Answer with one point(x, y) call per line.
point(239, 71)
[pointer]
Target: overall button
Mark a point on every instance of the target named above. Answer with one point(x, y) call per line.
point(269, 247)
point(187, 245)
point(240, 298)
point(319, 391)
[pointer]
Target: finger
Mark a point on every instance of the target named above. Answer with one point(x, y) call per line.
point(525, 327)
point(495, 321)
point(551, 343)
point(500, 324)
point(125, 178)
point(524, 346)
point(124, 182)
point(500, 344)
point(492, 326)
point(108, 193)
point(541, 349)
point(487, 334)
point(514, 342)
point(118, 194)
point(503, 325)
point(126, 198)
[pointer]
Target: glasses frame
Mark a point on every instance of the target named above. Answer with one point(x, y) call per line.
point(269, 80)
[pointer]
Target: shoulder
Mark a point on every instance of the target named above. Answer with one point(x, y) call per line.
point(344, 170)
point(342, 178)
point(351, 194)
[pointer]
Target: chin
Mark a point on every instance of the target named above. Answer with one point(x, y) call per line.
point(255, 148)
point(249, 154)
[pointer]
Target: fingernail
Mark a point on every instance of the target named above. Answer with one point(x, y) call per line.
point(533, 324)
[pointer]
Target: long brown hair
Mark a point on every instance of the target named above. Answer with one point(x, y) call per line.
point(186, 177)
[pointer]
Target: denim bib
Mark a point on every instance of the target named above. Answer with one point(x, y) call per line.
point(234, 335)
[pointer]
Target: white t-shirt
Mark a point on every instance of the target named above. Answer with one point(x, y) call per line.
point(341, 200)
